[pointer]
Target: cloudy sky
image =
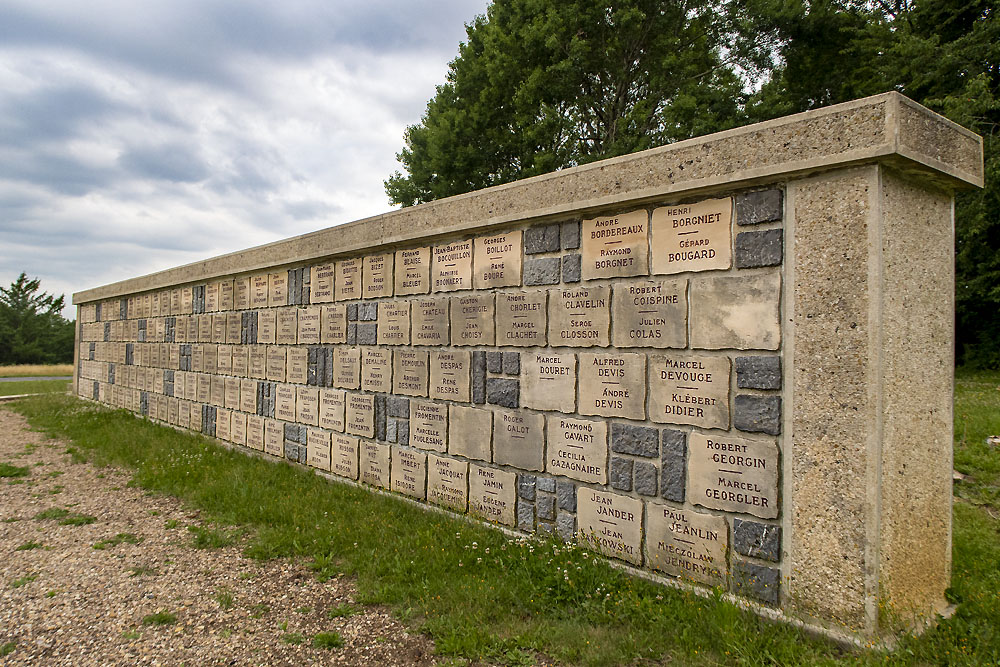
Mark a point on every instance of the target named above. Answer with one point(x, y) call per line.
point(139, 136)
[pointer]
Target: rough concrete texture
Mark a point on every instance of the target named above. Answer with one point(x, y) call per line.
point(620, 473)
point(644, 475)
point(511, 363)
point(503, 391)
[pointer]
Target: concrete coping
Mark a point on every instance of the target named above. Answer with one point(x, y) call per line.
point(887, 128)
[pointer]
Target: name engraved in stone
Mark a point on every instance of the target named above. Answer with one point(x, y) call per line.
point(613, 385)
point(255, 432)
point(689, 390)
point(519, 439)
point(377, 276)
point(224, 365)
point(430, 322)
point(284, 402)
point(429, 425)
point(361, 415)
point(347, 367)
point(211, 299)
point(226, 295)
point(409, 472)
point(577, 448)
point(204, 388)
point(218, 390)
point(232, 399)
point(258, 291)
point(234, 324)
point(238, 428)
point(650, 314)
point(410, 372)
point(276, 363)
point(332, 403)
point(452, 266)
point(309, 323)
point(615, 245)
point(307, 405)
point(288, 326)
point(492, 494)
point(470, 431)
point(333, 324)
point(240, 361)
point(274, 437)
point(375, 464)
point(267, 327)
point(318, 448)
point(394, 323)
point(321, 283)
point(187, 299)
point(548, 381)
point(218, 328)
point(692, 237)
point(241, 294)
point(580, 317)
point(472, 320)
point(610, 523)
point(497, 260)
point(687, 544)
point(344, 456)
point(521, 319)
point(223, 422)
point(277, 289)
point(376, 369)
point(205, 328)
point(733, 474)
point(348, 283)
point(258, 362)
point(449, 374)
point(297, 365)
point(448, 482)
point(248, 395)
point(413, 271)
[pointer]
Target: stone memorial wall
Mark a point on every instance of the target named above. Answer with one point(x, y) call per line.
point(726, 361)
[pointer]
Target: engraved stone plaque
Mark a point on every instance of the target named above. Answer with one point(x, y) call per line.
point(224, 357)
point(410, 372)
point(274, 438)
point(307, 405)
point(238, 428)
point(232, 393)
point(577, 448)
point(297, 365)
point(333, 323)
point(204, 388)
point(361, 415)
point(450, 374)
point(548, 381)
point(277, 289)
point(241, 294)
point(687, 544)
point(613, 385)
point(733, 474)
point(347, 367)
point(409, 471)
point(276, 363)
point(258, 291)
point(187, 299)
point(611, 524)
point(579, 317)
point(267, 327)
point(413, 271)
point(376, 369)
point(332, 403)
point(472, 319)
point(211, 299)
point(429, 425)
point(308, 333)
point(692, 237)
point(344, 456)
point(219, 328)
point(497, 260)
point(284, 402)
point(521, 318)
point(394, 323)
point(248, 395)
point(257, 358)
point(218, 390)
point(240, 361)
point(492, 494)
point(470, 432)
point(519, 439)
point(348, 283)
point(650, 314)
point(430, 322)
point(288, 326)
point(255, 432)
point(689, 390)
point(375, 464)
point(321, 283)
point(615, 245)
point(318, 448)
point(452, 266)
point(223, 422)
point(234, 326)
point(377, 276)
point(741, 312)
point(226, 295)
point(205, 328)
point(448, 482)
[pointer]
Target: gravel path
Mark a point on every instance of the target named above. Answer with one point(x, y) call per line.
point(67, 603)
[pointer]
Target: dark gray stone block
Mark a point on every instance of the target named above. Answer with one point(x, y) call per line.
point(754, 208)
point(757, 414)
point(546, 484)
point(368, 311)
point(635, 440)
point(511, 363)
point(546, 506)
point(758, 540)
point(545, 529)
point(352, 312)
point(403, 432)
point(758, 372)
point(503, 391)
point(398, 407)
point(645, 476)
point(352, 333)
point(494, 362)
point(566, 526)
point(569, 234)
point(390, 429)
point(566, 493)
point(380, 417)
point(526, 486)
point(541, 239)
point(367, 333)
point(620, 473)
point(478, 376)
point(544, 271)
point(754, 249)
point(673, 464)
point(757, 582)
point(571, 268)
point(525, 517)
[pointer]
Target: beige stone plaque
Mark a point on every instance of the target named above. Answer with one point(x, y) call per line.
point(258, 291)
point(497, 260)
point(257, 358)
point(430, 322)
point(409, 472)
point(195, 418)
point(448, 482)
point(413, 271)
point(577, 448)
point(205, 328)
point(255, 432)
point(344, 456)
point(470, 432)
point(348, 283)
point(733, 474)
point(492, 494)
point(204, 388)
point(650, 313)
point(376, 369)
point(297, 365)
point(361, 415)
point(472, 319)
point(226, 295)
point(332, 403)
point(347, 367)
point(740, 312)
point(276, 363)
point(333, 324)
point(684, 389)
point(224, 360)
point(687, 544)
point(219, 328)
point(232, 393)
point(240, 361)
point(267, 327)
point(309, 326)
point(321, 283)
point(410, 370)
point(277, 289)
point(187, 301)
point(394, 323)
point(580, 317)
point(274, 438)
point(429, 425)
point(615, 245)
point(375, 464)
point(288, 326)
point(218, 391)
point(377, 276)
point(318, 448)
point(450, 374)
point(307, 405)
point(613, 385)
point(211, 299)
point(183, 413)
point(519, 439)
point(284, 402)
point(521, 318)
point(548, 381)
point(610, 523)
point(241, 294)
point(248, 395)
point(238, 428)
point(223, 422)
point(452, 266)
point(692, 237)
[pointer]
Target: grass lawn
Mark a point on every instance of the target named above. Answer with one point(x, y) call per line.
point(481, 595)
point(33, 387)
point(35, 370)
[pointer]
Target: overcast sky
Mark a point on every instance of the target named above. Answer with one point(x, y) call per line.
point(139, 136)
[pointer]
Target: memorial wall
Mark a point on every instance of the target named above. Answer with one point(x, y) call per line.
point(726, 361)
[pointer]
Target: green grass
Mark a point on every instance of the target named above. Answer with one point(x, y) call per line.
point(212, 538)
point(342, 611)
point(143, 571)
point(531, 597)
point(294, 638)
point(78, 520)
point(327, 640)
point(7, 649)
point(34, 387)
point(8, 470)
point(23, 581)
point(120, 538)
point(35, 370)
point(162, 617)
point(225, 599)
point(29, 545)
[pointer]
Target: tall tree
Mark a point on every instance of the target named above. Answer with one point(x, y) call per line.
point(32, 328)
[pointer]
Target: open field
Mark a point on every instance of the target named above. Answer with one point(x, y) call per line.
point(33, 387)
point(480, 595)
point(35, 370)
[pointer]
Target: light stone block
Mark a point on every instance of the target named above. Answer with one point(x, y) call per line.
point(248, 395)
point(211, 300)
point(224, 360)
point(255, 432)
point(450, 375)
point(692, 237)
point(374, 464)
point(321, 279)
point(284, 402)
point(226, 295)
point(451, 268)
point(258, 291)
point(472, 319)
point(613, 385)
point(332, 405)
point(344, 456)
point(277, 289)
point(347, 367)
point(333, 324)
point(741, 312)
point(238, 428)
point(318, 448)
point(276, 363)
point(687, 544)
point(409, 472)
point(267, 327)
point(218, 395)
point(430, 322)
point(733, 474)
point(218, 328)
point(519, 439)
point(288, 326)
point(274, 438)
point(360, 415)
point(497, 260)
point(686, 389)
point(307, 405)
point(429, 425)
point(376, 369)
point(240, 361)
point(413, 271)
point(650, 313)
point(241, 295)
point(521, 318)
point(309, 326)
point(223, 421)
point(470, 432)
point(377, 276)
point(448, 482)
point(232, 399)
point(348, 282)
point(492, 494)
point(548, 381)
point(410, 371)
point(610, 523)
point(580, 316)
point(257, 359)
point(394, 323)
point(577, 448)
point(615, 245)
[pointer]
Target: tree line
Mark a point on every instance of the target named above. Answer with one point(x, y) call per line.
point(32, 328)
point(541, 85)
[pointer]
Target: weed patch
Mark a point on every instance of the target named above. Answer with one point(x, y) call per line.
point(52, 513)
point(162, 617)
point(211, 538)
point(225, 599)
point(78, 520)
point(327, 640)
point(8, 470)
point(143, 571)
point(120, 538)
point(28, 546)
point(342, 611)
point(7, 649)
point(293, 638)
point(23, 581)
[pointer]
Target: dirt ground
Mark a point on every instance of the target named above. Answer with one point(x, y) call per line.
point(65, 602)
